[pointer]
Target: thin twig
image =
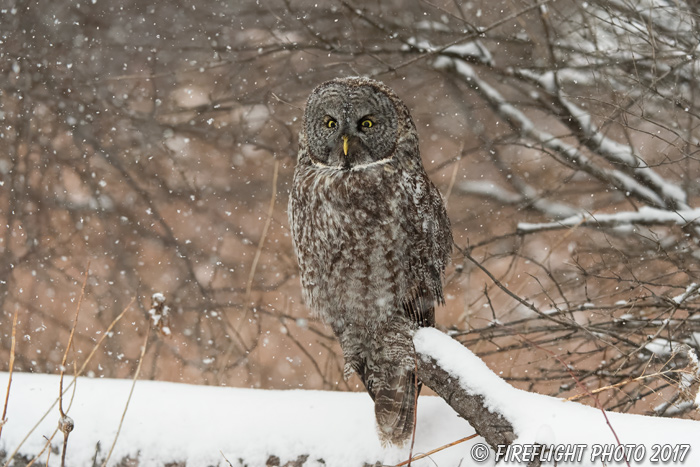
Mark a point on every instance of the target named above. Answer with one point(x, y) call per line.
point(582, 386)
point(104, 336)
point(590, 392)
point(299, 345)
point(279, 99)
point(12, 364)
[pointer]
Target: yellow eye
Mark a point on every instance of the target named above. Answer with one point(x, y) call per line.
point(332, 124)
point(367, 123)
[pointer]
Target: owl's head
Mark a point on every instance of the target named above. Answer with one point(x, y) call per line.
point(355, 123)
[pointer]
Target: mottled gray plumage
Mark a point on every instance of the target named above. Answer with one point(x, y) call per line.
point(371, 235)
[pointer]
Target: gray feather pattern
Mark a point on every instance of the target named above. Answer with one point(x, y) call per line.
point(371, 236)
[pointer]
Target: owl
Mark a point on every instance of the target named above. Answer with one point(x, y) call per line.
point(371, 236)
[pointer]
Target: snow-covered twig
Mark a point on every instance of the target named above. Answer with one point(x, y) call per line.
point(622, 155)
point(489, 190)
point(691, 292)
point(645, 216)
point(571, 155)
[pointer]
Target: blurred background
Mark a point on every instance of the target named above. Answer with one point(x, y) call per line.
point(151, 147)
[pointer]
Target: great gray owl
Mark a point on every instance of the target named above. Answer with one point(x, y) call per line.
point(371, 236)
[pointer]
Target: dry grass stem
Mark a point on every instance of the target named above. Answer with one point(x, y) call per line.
point(9, 378)
point(582, 386)
point(590, 392)
point(453, 179)
point(430, 453)
point(70, 341)
point(415, 408)
point(263, 236)
point(80, 371)
point(251, 275)
point(46, 445)
point(131, 392)
point(65, 423)
point(105, 334)
point(227, 461)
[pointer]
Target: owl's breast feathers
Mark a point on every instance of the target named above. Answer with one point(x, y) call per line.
point(371, 244)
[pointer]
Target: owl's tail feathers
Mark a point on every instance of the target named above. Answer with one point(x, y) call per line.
point(395, 407)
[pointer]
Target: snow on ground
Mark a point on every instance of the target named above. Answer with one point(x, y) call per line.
point(170, 422)
point(542, 419)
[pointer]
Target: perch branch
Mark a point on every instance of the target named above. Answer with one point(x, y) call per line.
point(492, 426)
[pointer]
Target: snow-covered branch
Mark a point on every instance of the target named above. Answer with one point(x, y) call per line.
point(589, 134)
point(491, 424)
point(645, 216)
point(526, 418)
point(527, 197)
point(571, 155)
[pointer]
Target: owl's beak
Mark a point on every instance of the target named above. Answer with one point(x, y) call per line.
point(345, 144)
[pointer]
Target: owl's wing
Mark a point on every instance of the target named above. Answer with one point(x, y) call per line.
point(434, 248)
point(420, 307)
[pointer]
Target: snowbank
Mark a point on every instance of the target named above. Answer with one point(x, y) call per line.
point(170, 422)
